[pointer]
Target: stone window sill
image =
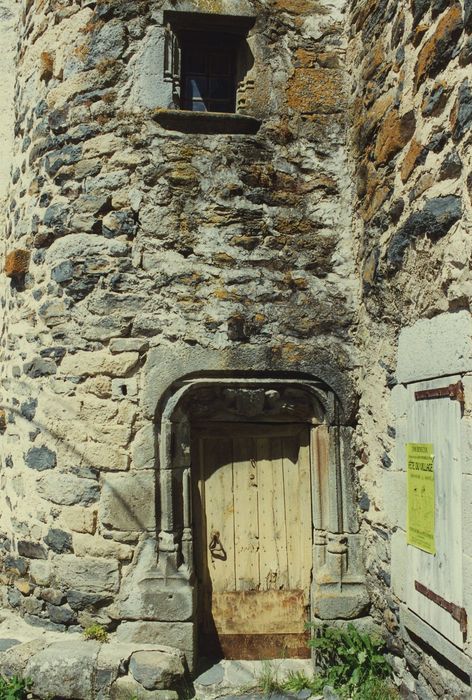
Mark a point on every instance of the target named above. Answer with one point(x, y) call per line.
point(206, 122)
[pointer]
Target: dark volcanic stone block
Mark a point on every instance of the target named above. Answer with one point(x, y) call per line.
point(468, 15)
point(463, 119)
point(59, 541)
point(62, 615)
point(40, 458)
point(434, 221)
point(31, 550)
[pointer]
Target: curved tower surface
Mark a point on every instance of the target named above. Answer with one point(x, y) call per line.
point(154, 247)
point(235, 259)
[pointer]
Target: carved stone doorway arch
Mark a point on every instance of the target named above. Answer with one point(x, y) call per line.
point(338, 585)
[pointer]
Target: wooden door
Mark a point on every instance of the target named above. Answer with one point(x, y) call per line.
point(434, 590)
point(253, 539)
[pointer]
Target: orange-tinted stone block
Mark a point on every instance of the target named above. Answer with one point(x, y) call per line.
point(46, 66)
point(411, 159)
point(438, 50)
point(17, 263)
point(295, 7)
point(317, 91)
point(394, 133)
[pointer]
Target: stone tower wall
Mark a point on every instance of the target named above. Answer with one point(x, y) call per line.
point(410, 144)
point(8, 40)
point(126, 239)
point(136, 254)
point(8, 19)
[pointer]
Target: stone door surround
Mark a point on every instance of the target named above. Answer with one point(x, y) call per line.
point(337, 566)
point(189, 384)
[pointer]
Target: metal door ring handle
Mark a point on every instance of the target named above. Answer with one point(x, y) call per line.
point(215, 540)
point(216, 548)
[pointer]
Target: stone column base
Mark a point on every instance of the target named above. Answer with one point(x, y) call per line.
point(335, 601)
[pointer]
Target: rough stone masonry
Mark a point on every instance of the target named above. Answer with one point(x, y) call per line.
point(139, 252)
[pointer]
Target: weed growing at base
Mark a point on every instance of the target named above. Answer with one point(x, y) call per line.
point(14, 688)
point(296, 681)
point(353, 663)
point(350, 661)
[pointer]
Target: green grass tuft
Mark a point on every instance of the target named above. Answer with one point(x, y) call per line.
point(97, 632)
point(296, 681)
point(14, 688)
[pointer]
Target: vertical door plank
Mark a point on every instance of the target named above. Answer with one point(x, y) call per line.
point(296, 467)
point(291, 487)
point(272, 526)
point(246, 533)
point(219, 511)
point(305, 512)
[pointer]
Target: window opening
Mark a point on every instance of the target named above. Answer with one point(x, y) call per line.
point(208, 72)
point(206, 59)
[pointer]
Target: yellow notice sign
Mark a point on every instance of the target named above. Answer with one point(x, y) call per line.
point(421, 503)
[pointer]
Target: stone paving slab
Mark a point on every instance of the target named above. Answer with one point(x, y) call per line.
point(271, 696)
point(228, 680)
point(302, 695)
point(8, 643)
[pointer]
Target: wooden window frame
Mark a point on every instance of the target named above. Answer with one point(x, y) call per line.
point(187, 31)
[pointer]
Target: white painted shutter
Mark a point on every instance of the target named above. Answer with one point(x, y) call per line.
point(437, 421)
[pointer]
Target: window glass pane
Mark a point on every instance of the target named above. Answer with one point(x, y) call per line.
point(220, 64)
point(220, 88)
point(196, 86)
point(208, 77)
point(195, 61)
